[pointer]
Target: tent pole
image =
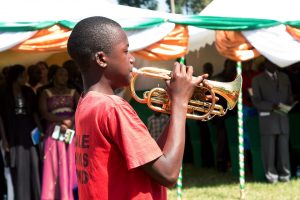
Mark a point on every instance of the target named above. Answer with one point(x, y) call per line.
point(179, 185)
point(179, 180)
point(241, 139)
point(172, 2)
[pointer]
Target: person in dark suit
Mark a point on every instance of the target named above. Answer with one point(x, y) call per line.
point(271, 88)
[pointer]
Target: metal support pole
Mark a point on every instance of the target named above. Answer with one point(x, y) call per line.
point(241, 140)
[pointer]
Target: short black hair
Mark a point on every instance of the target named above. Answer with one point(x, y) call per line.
point(52, 71)
point(14, 72)
point(34, 73)
point(89, 36)
point(42, 63)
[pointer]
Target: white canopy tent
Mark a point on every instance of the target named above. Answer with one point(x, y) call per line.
point(40, 11)
point(274, 42)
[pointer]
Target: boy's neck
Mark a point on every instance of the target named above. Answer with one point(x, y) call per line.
point(99, 88)
point(96, 82)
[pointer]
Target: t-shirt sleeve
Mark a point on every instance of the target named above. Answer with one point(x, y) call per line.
point(131, 136)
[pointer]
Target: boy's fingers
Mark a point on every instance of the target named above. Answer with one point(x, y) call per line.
point(206, 84)
point(189, 70)
point(209, 97)
point(176, 69)
point(200, 79)
point(182, 68)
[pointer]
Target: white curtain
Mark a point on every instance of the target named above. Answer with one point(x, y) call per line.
point(275, 44)
point(11, 39)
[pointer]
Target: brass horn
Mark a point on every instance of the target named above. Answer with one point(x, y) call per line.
point(198, 107)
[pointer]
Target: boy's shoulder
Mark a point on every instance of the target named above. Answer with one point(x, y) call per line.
point(95, 99)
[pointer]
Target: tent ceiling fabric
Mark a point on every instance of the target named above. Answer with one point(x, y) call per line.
point(142, 38)
point(263, 31)
point(11, 39)
point(278, 43)
point(173, 46)
point(233, 45)
point(282, 11)
point(50, 39)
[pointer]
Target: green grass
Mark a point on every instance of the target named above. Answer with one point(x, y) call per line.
point(208, 184)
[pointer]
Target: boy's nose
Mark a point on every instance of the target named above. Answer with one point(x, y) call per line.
point(132, 60)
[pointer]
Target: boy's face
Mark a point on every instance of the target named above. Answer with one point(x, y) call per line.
point(119, 62)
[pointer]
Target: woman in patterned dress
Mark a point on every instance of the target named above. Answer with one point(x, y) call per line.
point(57, 106)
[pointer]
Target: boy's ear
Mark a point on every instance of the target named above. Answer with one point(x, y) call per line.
point(100, 59)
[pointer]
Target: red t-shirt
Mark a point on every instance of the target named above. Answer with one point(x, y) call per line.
point(111, 143)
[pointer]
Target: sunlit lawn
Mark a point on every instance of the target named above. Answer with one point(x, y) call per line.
point(208, 184)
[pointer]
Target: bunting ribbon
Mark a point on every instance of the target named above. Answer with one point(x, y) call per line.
point(294, 32)
point(53, 38)
point(233, 45)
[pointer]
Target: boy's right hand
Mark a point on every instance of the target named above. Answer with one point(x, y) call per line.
point(182, 83)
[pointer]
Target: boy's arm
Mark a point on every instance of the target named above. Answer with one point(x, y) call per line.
point(165, 169)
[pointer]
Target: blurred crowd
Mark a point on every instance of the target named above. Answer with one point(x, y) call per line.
point(37, 108)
